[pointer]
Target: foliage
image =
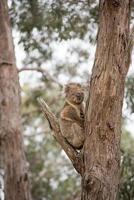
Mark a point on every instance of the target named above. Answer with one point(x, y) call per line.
point(127, 168)
point(40, 23)
point(53, 20)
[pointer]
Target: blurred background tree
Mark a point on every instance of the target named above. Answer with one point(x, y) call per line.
point(58, 38)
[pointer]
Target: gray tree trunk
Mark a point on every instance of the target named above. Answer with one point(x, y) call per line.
point(12, 157)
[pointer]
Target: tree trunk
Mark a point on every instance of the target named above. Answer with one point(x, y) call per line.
point(12, 157)
point(104, 106)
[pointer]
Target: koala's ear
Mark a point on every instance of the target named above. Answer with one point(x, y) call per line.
point(79, 85)
point(67, 88)
point(85, 87)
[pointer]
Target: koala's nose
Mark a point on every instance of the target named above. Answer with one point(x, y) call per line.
point(79, 94)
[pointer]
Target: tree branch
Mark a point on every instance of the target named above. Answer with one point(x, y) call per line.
point(73, 155)
point(43, 72)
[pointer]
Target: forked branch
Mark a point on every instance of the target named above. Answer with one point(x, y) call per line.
point(73, 155)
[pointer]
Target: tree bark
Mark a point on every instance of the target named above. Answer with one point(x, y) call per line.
point(104, 106)
point(12, 158)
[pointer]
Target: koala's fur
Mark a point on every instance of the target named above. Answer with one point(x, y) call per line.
point(72, 116)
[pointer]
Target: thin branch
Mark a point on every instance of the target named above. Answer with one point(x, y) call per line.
point(73, 155)
point(43, 72)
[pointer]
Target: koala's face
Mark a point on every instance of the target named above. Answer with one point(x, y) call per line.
point(74, 93)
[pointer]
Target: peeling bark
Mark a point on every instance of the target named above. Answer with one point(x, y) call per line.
point(12, 158)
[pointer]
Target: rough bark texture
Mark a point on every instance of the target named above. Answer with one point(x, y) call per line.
point(12, 156)
point(104, 107)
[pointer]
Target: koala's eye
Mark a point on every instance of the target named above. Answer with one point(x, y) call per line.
point(72, 93)
point(79, 94)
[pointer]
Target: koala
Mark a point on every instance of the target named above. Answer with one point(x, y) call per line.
point(72, 116)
